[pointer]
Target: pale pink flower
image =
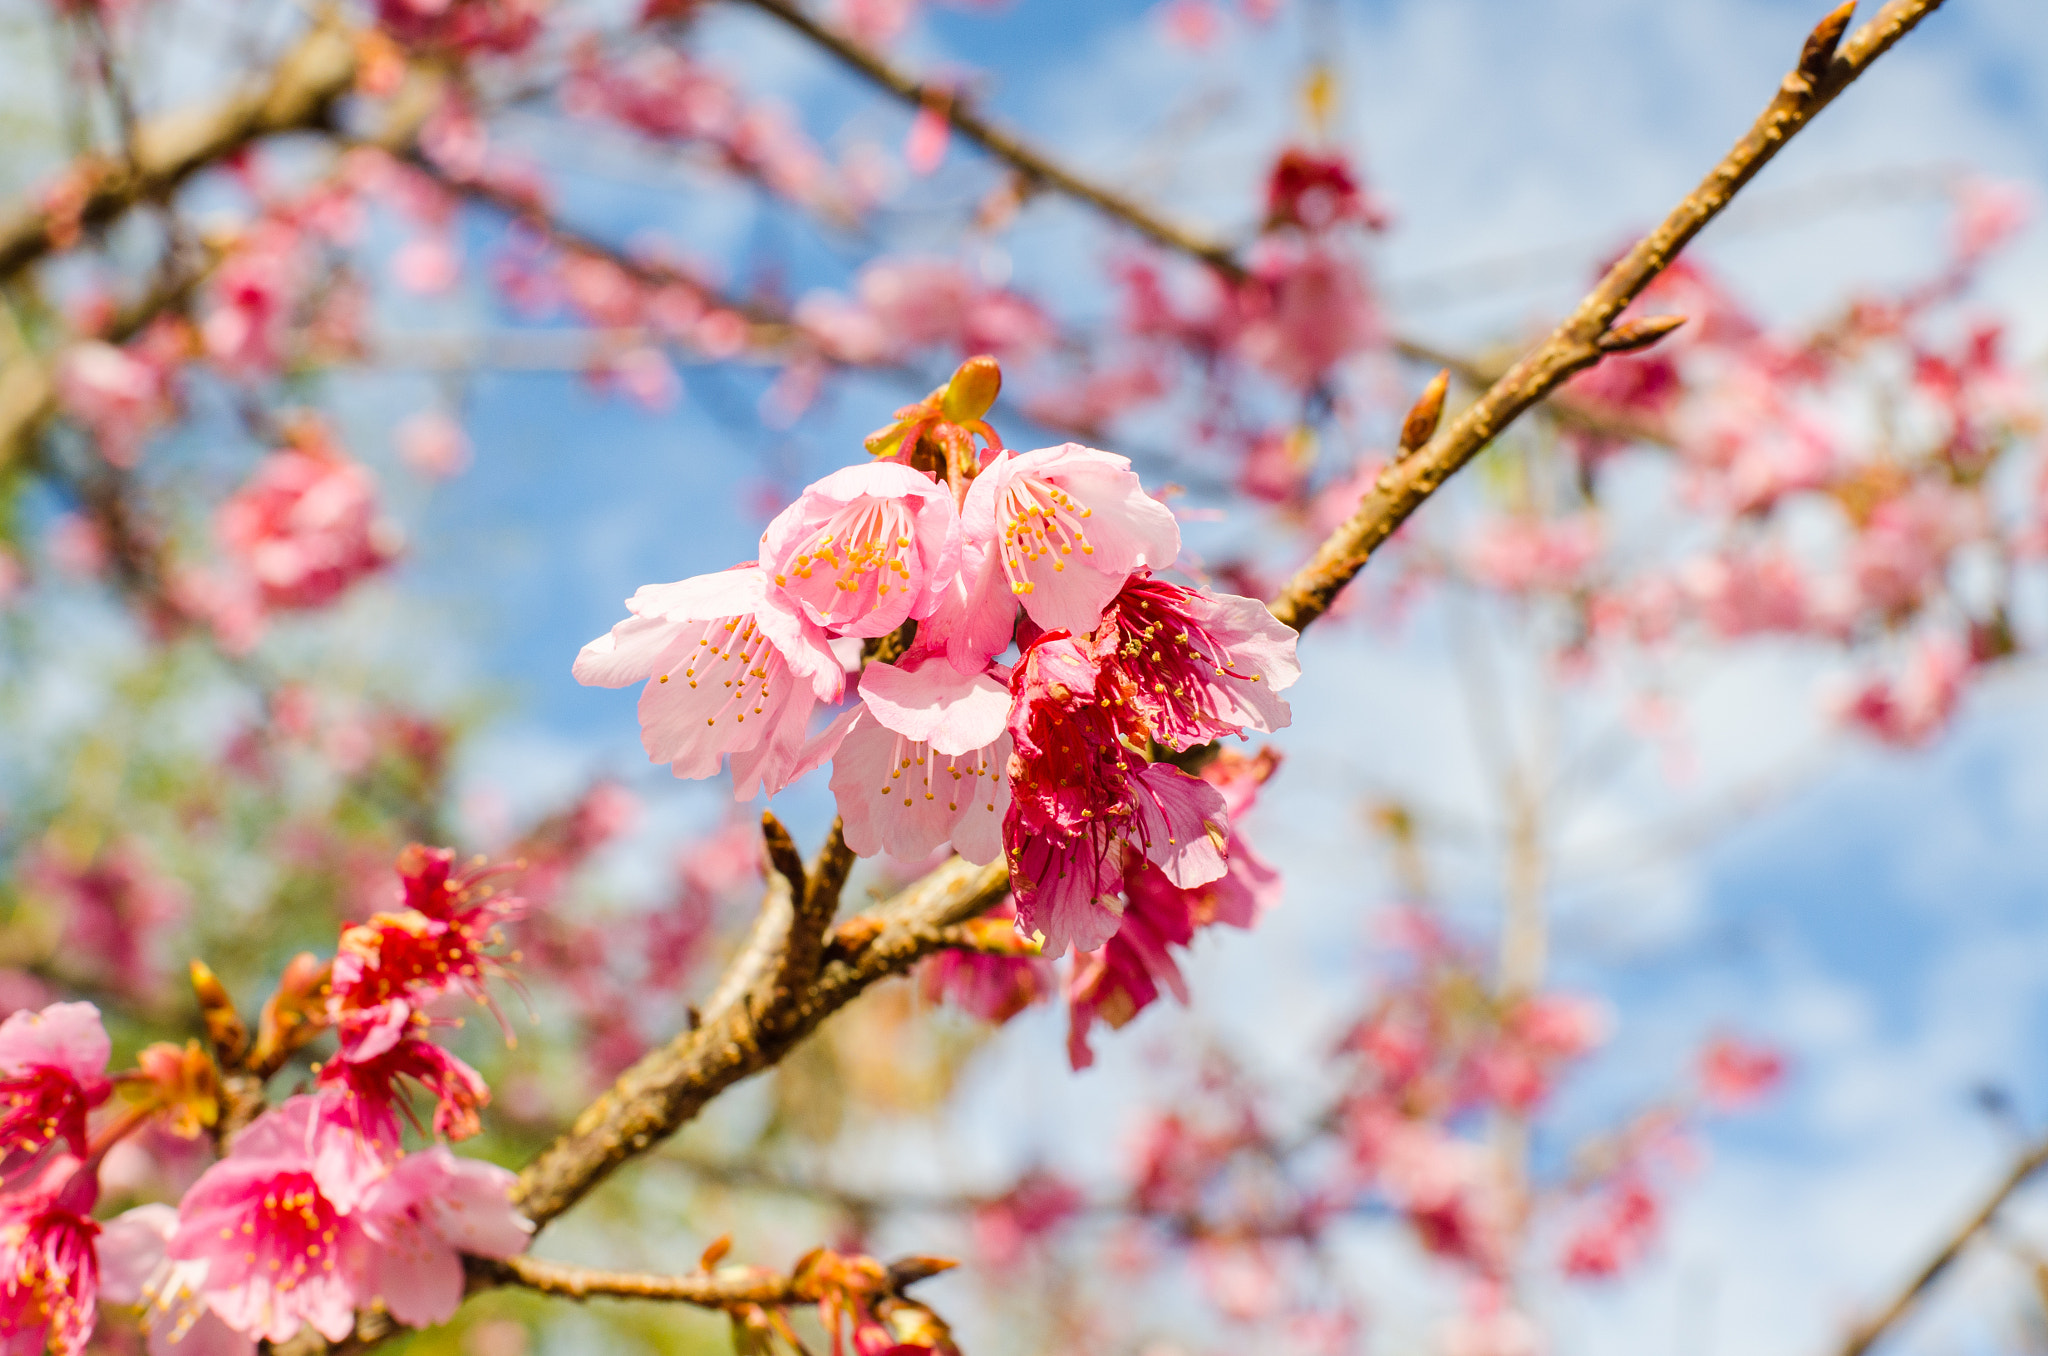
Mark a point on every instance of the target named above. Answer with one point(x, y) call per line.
point(306, 526)
point(715, 650)
point(1917, 706)
point(434, 444)
point(49, 1267)
point(273, 1224)
point(645, 376)
point(1026, 1215)
point(865, 549)
point(1537, 1037)
point(420, 1218)
point(53, 1072)
point(924, 148)
point(427, 264)
point(1058, 530)
point(249, 303)
point(116, 393)
point(1523, 553)
point(921, 762)
point(1735, 1074)
point(1618, 1232)
point(1749, 594)
point(923, 303)
point(1307, 308)
point(1492, 1327)
point(1901, 556)
point(135, 1270)
point(115, 908)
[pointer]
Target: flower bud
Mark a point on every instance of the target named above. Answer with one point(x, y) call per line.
point(224, 1026)
point(182, 1083)
point(972, 391)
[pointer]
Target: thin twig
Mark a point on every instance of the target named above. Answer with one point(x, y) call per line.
point(297, 94)
point(1866, 1334)
point(1577, 343)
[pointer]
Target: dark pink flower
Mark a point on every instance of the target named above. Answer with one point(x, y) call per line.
point(273, 1224)
point(53, 1072)
point(1196, 666)
point(1735, 1073)
point(1081, 790)
point(1306, 308)
point(306, 526)
point(714, 651)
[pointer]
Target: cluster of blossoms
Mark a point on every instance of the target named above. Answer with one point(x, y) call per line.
point(316, 1211)
point(1047, 757)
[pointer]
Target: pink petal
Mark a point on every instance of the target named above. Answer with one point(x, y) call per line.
point(1181, 824)
point(937, 704)
point(67, 1036)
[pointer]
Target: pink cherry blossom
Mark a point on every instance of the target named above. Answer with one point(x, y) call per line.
point(421, 1217)
point(1746, 594)
point(993, 988)
point(865, 548)
point(370, 1069)
point(117, 393)
point(272, 1222)
point(53, 1072)
point(1899, 558)
point(1059, 529)
point(1197, 665)
point(714, 650)
point(1524, 553)
point(434, 444)
point(1910, 710)
point(921, 762)
point(1734, 1074)
point(1026, 1215)
point(1316, 190)
point(1622, 1225)
point(1307, 308)
point(306, 526)
point(247, 315)
point(49, 1267)
point(1080, 792)
point(1124, 977)
point(135, 1270)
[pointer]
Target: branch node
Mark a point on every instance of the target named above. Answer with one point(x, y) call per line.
point(1631, 335)
point(1820, 47)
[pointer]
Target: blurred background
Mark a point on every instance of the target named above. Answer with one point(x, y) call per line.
point(1723, 838)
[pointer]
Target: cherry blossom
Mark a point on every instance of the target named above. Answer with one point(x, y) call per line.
point(859, 536)
point(420, 1217)
point(306, 525)
point(1735, 1074)
point(1307, 308)
point(49, 1266)
point(53, 1072)
point(136, 1270)
point(922, 762)
point(1058, 530)
point(119, 394)
point(773, 665)
point(1079, 792)
point(1195, 665)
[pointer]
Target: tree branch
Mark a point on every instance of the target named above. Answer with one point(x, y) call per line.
point(1866, 1334)
point(1576, 343)
point(298, 94)
point(726, 1288)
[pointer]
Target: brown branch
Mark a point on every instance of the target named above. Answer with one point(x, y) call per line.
point(298, 93)
point(726, 1288)
point(668, 1086)
point(1575, 344)
point(1034, 165)
point(1866, 1334)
